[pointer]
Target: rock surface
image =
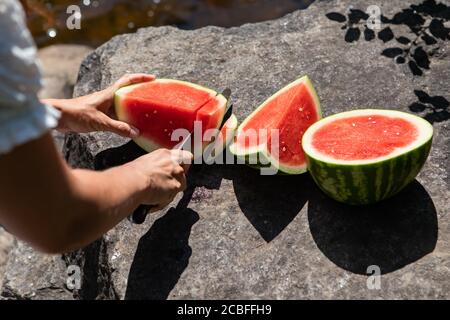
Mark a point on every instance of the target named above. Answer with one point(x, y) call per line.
point(31, 275)
point(236, 234)
point(6, 244)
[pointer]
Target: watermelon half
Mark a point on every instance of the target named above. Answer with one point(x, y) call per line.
point(289, 112)
point(364, 156)
point(159, 107)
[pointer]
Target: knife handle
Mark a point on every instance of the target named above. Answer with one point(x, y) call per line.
point(140, 214)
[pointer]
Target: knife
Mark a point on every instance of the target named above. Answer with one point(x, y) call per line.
point(140, 214)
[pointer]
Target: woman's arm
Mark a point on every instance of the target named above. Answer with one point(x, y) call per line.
point(57, 209)
point(42, 200)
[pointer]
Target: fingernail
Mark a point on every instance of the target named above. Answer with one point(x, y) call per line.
point(134, 132)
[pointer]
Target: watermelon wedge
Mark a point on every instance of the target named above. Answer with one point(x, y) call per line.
point(215, 149)
point(364, 156)
point(289, 113)
point(160, 107)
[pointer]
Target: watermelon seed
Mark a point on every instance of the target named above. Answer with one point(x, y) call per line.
point(385, 131)
point(284, 148)
point(155, 112)
point(374, 122)
point(398, 133)
point(146, 115)
point(353, 125)
point(300, 109)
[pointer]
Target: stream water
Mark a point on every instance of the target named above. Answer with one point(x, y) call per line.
point(102, 19)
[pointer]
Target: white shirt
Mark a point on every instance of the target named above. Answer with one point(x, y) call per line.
point(22, 116)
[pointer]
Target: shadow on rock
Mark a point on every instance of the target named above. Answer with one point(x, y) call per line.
point(426, 22)
point(391, 234)
point(270, 203)
point(163, 252)
point(435, 108)
point(162, 255)
point(117, 156)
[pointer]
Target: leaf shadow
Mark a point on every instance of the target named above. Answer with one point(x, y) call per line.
point(432, 108)
point(416, 49)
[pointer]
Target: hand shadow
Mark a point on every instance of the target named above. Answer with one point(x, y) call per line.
point(163, 252)
point(390, 235)
point(270, 203)
point(161, 256)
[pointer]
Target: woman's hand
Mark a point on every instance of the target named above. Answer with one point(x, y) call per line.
point(94, 112)
point(164, 172)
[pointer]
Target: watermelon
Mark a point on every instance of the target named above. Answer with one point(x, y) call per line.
point(272, 134)
point(160, 107)
point(220, 142)
point(364, 156)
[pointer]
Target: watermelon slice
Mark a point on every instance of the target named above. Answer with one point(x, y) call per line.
point(221, 141)
point(364, 156)
point(289, 112)
point(159, 107)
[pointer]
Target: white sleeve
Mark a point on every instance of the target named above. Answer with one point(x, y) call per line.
point(22, 116)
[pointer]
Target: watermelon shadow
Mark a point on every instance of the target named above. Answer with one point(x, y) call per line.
point(390, 235)
point(113, 157)
point(270, 203)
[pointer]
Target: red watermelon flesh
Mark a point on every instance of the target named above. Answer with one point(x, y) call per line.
point(210, 115)
point(222, 140)
point(364, 137)
point(300, 114)
point(159, 107)
point(292, 110)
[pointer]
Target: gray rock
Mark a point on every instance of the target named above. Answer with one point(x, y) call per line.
point(30, 275)
point(6, 244)
point(236, 234)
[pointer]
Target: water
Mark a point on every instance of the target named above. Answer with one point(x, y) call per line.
point(102, 19)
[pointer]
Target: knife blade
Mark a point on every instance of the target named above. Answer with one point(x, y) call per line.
point(140, 214)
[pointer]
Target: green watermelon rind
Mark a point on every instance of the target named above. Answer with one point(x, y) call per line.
point(370, 181)
point(261, 151)
point(146, 143)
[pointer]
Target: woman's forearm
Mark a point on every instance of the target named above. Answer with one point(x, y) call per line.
point(57, 209)
point(100, 201)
